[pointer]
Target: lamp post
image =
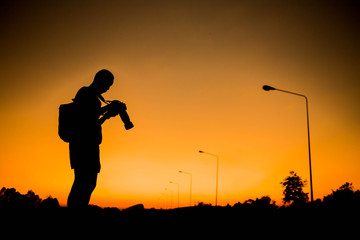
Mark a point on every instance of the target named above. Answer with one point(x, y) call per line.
point(190, 184)
point(178, 192)
point(171, 191)
point(217, 173)
point(269, 88)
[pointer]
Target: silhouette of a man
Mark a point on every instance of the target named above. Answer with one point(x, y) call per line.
point(84, 146)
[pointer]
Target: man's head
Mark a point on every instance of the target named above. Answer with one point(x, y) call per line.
point(102, 81)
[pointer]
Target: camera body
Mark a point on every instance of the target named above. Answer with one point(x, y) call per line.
point(119, 108)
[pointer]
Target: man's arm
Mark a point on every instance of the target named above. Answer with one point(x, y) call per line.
point(103, 119)
point(107, 111)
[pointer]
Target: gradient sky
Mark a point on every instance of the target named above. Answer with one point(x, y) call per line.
point(191, 74)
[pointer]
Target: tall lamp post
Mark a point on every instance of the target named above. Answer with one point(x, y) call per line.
point(190, 184)
point(178, 192)
point(217, 173)
point(269, 88)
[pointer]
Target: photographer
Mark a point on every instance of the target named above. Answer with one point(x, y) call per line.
point(84, 146)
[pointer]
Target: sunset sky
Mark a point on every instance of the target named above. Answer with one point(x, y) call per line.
point(191, 74)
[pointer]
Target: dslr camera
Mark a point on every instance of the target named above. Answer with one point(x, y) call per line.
point(119, 108)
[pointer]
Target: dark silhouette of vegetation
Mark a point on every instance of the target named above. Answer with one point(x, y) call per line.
point(344, 197)
point(293, 190)
point(339, 208)
point(262, 203)
point(202, 204)
point(11, 199)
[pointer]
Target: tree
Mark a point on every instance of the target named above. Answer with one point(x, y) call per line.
point(293, 189)
point(346, 187)
point(345, 196)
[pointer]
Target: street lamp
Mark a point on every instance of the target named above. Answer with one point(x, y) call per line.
point(178, 192)
point(217, 173)
point(166, 199)
point(171, 191)
point(190, 183)
point(268, 88)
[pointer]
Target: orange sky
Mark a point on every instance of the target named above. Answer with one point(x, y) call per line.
point(191, 74)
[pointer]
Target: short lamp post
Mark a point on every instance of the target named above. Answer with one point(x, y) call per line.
point(178, 192)
point(190, 184)
point(217, 173)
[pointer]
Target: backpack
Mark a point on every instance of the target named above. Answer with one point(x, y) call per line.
point(68, 121)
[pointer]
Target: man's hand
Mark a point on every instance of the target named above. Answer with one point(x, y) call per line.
point(118, 105)
point(111, 113)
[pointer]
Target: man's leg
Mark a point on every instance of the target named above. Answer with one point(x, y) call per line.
point(82, 188)
point(90, 179)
